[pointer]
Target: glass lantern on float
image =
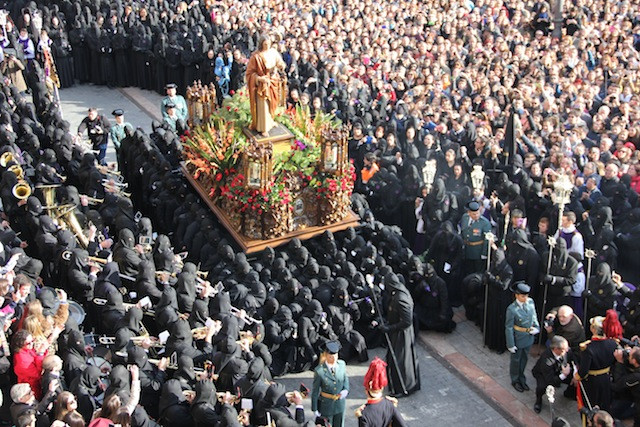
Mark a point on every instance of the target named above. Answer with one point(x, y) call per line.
point(333, 155)
point(257, 167)
point(429, 173)
point(477, 180)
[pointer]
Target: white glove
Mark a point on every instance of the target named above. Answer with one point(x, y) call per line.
point(343, 394)
point(317, 414)
point(512, 349)
point(534, 331)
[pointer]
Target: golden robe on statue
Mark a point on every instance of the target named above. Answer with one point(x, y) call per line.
point(264, 85)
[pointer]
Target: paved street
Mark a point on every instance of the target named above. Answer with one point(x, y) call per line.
point(446, 399)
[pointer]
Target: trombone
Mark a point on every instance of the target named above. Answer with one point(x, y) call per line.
point(173, 361)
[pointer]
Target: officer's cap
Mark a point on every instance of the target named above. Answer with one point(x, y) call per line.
point(520, 288)
point(171, 86)
point(118, 112)
point(473, 206)
point(332, 347)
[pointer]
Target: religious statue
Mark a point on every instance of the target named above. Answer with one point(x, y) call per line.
point(264, 84)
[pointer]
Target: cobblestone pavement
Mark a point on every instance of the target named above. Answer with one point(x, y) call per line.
point(77, 100)
point(489, 371)
point(445, 398)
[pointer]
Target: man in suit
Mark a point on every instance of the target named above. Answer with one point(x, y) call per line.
point(552, 368)
point(521, 325)
point(330, 386)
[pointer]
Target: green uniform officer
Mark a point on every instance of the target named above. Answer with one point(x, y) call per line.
point(172, 117)
point(521, 325)
point(330, 386)
point(473, 228)
point(178, 100)
point(116, 132)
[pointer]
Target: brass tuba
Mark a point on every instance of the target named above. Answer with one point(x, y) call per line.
point(69, 217)
point(22, 190)
point(17, 170)
point(6, 158)
point(49, 194)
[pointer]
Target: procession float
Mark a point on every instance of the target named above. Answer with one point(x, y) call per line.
point(292, 180)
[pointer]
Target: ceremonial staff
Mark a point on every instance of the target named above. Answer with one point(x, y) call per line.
point(590, 254)
point(552, 243)
point(490, 239)
point(561, 196)
point(394, 359)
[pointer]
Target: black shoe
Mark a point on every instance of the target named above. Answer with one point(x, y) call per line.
point(518, 387)
point(525, 387)
point(537, 407)
point(500, 352)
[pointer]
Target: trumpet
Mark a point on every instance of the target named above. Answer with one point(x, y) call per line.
point(107, 170)
point(246, 336)
point(110, 182)
point(161, 273)
point(234, 399)
point(248, 319)
point(92, 200)
point(22, 190)
point(173, 366)
point(6, 158)
point(127, 306)
point(202, 274)
point(102, 261)
point(140, 340)
point(200, 333)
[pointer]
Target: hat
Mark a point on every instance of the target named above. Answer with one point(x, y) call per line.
point(118, 112)
point(596, 321)
point(332, 347)
point(170, 105)
point(376, 376)
point(520, 288)
point(473, 206)
point(18, 391)
point(171, 86)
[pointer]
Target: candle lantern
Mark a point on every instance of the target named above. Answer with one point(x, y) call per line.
point(429, 173)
